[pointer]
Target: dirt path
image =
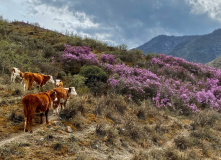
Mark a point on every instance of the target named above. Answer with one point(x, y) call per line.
point(21, 135)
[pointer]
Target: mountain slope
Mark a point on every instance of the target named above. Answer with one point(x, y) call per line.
point(199, 49)
point(215, 63)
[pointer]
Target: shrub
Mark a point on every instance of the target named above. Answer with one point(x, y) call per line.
point(74, 106)
point(108, 58)
point(101, 129)
point(130, 57)
point(68, 113)
point(206, 118)
point(83, 90)
point(78, 81)
point(93, 73)
point(16, 118)
point(96, 79)
point(48, 51)
point(76, 56)
point(183, 143)
point(57, 146)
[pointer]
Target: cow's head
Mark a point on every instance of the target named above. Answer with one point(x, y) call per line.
point(51, 80)
point(57, 82)
point(72, 91)
point(53, 95)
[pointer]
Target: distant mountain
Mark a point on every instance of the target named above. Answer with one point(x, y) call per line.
point(199, 49)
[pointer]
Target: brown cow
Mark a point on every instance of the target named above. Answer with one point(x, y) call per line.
point(16, 73)
point(62, 97)
point(40, 79)
point(39, 102)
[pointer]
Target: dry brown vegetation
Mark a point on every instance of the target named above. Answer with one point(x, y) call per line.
point(107, 127)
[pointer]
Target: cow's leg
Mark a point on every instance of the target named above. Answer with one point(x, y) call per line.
point(46, 114)
point(65, 104)
point(58, 103)
point(54, 110)
point(30, 82)
point(29, 85)
point(54, 107)
point(41, 119)
point(61, 106)
point(13, 77)
point(24, 86)
point(26, 125)
point(22, 80)
point(57, 109)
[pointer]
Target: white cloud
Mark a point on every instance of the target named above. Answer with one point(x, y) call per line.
point(212, 8)
point(12, 10)
point(60, 19)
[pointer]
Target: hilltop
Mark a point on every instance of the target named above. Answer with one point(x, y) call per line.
point(129, 105)
point(198, 49)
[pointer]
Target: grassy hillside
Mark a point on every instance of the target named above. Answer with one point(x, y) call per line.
point(129, 105)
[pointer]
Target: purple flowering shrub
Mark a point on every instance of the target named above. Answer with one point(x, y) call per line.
point(169, 81)
point(134, 82)
point(194, 86)
point(76, 56)
point(108, 58)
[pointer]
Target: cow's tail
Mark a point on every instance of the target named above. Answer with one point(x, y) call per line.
point(25, 104)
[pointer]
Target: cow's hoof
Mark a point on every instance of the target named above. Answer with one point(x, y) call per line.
point(26, 130)
point(47, 122)
point(31, 131)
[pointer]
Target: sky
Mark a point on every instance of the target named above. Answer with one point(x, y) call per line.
point(117, 22)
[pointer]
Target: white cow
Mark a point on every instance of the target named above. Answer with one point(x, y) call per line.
point(58, 83)
point(71, 91)
point(16, 73)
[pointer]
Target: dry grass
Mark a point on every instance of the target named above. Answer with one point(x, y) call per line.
point(108, 128)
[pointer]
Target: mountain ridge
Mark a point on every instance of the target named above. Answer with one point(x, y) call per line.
point(194, 48)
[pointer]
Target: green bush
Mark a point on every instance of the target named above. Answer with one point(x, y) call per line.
point(93, 74)
point(78, 81)
point(96, 79)
point(132, 56)
point(48, 51)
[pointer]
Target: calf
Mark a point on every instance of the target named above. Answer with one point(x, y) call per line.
point(62, 97)
point(39, 102)
point(63, 94)
point(16, 73)
point(40, 79)
point(58, 83)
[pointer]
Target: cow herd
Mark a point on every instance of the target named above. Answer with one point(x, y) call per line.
point(42, 101)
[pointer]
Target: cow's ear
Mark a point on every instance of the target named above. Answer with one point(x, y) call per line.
point(60, 80)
